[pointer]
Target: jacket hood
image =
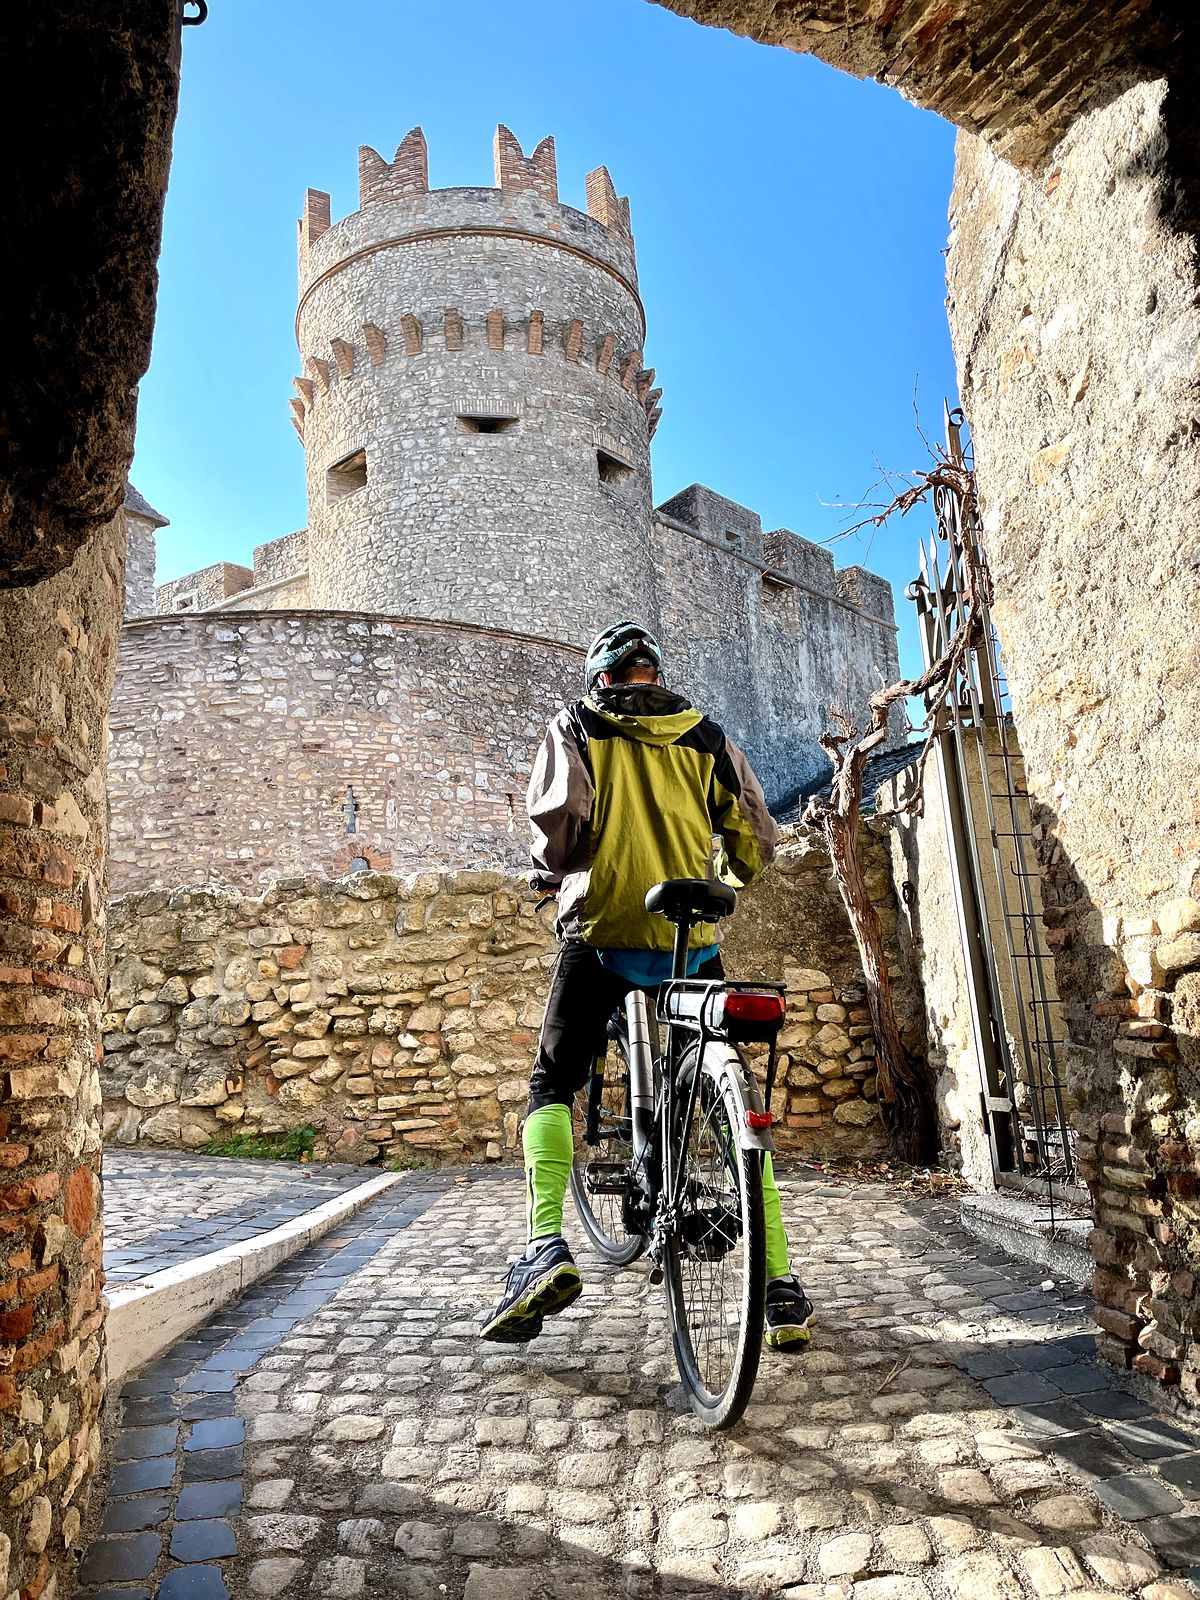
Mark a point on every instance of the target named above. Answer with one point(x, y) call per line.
point(645, 712)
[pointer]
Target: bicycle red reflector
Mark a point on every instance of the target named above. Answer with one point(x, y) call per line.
point(747, 1007)
point(759, 1119)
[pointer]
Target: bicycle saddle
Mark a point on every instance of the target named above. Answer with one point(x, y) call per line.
point(691, 900)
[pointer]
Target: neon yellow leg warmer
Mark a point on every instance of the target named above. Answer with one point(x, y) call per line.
point(778, 1262)
point(549, 1146)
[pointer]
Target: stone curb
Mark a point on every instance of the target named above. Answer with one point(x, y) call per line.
point(146, 1317)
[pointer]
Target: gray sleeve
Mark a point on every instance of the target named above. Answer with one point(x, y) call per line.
point(754, 803)
point(559, 801)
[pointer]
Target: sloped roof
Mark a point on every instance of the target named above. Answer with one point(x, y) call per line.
point(886, 764)
point(141, 507)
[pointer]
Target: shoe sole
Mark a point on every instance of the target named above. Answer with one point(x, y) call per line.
point(786, 1338)
point(522, 1320)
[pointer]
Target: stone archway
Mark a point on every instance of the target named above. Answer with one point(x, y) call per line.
point(1079, 95)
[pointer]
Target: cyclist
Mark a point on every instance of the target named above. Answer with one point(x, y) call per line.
point(630, 786)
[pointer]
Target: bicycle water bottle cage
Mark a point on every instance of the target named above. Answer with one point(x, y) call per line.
point(691, 900)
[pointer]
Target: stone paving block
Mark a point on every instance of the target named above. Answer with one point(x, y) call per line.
point(193, 1583)
point(213, 1435)
point(1022, 1389)
point(140, 1444)
point(1115, 1403)
point(1183, 1473)
point(209, 1500)
point(143, 1511)
point(202, 1540)
point(1093, 1453)
point(1134, 1498)
point(123, 1558)
point(1151, 1438)
point(134, 1477)
point(204, 1466)
point(1176, 1539)
point(1080, 1378)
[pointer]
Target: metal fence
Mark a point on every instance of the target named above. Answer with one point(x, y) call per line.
point(1015, 1010)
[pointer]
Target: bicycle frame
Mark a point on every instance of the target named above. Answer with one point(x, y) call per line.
point(653, 1088)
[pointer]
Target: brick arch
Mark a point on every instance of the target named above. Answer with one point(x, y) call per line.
point(961, 58)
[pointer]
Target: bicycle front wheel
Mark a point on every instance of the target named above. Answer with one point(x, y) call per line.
point(716, 1274)
point(600, 1171)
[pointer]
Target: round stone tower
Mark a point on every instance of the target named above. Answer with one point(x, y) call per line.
point(474, 407)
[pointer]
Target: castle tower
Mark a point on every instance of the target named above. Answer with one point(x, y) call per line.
point(473, 401)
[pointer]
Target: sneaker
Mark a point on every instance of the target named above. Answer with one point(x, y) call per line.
point(542, 1281)
point(789, 1314)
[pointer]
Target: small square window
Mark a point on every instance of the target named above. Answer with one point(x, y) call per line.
point(611, 469)
point(188, 601)
point(733, 539)
point(346, 477)
point(485, 422)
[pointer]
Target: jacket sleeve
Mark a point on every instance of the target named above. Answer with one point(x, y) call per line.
point(740, 814)
point(559, 801)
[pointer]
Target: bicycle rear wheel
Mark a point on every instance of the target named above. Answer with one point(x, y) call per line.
point(600, 1170)
point(716, 1274)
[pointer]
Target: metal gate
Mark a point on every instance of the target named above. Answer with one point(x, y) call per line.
point(1015, 1010)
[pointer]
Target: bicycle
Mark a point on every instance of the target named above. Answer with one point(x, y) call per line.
point(669, 1150)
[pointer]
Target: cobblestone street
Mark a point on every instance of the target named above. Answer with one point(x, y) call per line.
point(343, 1432)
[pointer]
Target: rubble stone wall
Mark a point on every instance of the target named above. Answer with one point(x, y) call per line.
point(1076, 321)
point(296, 742)
point(397, 1016)
point(58, 644)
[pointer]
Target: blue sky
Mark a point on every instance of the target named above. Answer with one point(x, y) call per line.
point(789, 221)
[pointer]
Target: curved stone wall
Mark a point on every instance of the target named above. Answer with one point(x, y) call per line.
point(299, 741)
point(418, 315)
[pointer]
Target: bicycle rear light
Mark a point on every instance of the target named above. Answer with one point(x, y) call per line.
point(749, 1007)
point(759, 1119)
point(748, 1015)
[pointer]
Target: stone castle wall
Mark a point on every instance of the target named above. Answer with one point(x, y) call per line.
point(398, 1016)
point(298, 741)
point(1073, 304)
point(765, 634)
point(425, 311)
point(139, 565)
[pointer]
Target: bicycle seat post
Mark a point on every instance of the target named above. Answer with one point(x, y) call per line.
point(683, 928)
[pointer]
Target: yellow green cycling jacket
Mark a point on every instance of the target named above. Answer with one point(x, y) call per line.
point(628, 788)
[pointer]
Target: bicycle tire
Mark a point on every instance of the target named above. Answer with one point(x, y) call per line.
point(603, 1222)
point(718, 1407)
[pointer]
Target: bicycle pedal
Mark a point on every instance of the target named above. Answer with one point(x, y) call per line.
point(606, 1177)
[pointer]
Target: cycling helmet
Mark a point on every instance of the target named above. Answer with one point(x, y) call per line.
point(617, 646)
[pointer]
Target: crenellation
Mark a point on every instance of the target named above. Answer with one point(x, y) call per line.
point(320, 370)
point(305, 386)
point(296, 407)
point(605, 354)
point(314, 221)
point(402, 178)
point(808, 563)
point(515, 171)
point(603, 204)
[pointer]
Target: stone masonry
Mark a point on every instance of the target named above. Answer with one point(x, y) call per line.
point(398, 1016)
point(1074, 311)
point(52, 975)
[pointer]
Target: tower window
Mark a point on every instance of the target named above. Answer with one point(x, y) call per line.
point(611, 469)
point(733, 539)
point(345, 477)
point(189, 601)
point(479, 422)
